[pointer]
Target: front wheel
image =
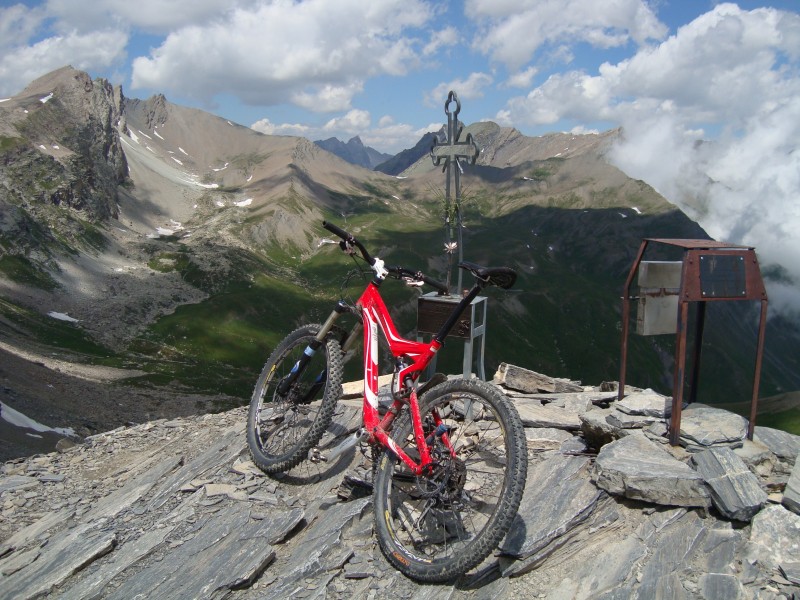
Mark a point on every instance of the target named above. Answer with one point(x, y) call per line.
point(437, 527)
point(289, 413)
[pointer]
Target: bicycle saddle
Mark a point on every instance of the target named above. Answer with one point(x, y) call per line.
point(502, 277)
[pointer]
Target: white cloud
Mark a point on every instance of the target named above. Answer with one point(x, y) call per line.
point(474, 86)
point(309, 52)
point(265, 126)
point(18, 23)
point(96, 50)
point(513, 30)
point(393, 137)
point(522, 79)
point(444, 38)
point(155, 16)
point(352, 123)
point(711, 119)
point(741, 185)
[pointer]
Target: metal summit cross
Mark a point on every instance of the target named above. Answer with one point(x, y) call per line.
point(454, 151)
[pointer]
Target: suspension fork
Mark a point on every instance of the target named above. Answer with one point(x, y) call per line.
point(311, 349)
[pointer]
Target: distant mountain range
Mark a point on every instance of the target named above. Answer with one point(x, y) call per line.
point(186, 246)
point(354, 151)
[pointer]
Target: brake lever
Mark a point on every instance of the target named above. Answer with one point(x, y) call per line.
point(412, 282)
point(347, 248)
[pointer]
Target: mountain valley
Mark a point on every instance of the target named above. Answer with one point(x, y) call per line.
point(179, 248)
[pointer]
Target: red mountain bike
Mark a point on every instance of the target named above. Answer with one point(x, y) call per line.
point(451, 477)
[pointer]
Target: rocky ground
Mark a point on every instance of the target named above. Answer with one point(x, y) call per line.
point(175, 509)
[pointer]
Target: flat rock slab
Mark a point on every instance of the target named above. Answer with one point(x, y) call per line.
point(784, 445)
point(18, 482)
point(735, 491)
point(636, 468)
point(228, 552)
point(703, 426)
point(596, 429)
point(646, 403)
point(546, 438)
point(525, 380)
point(622, 420)
point(62, 557)
point(534, 414)
point(679, 540)
point(321, 551)
point(558, 496)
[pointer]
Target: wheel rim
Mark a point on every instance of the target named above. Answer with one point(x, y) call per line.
point(283, 422)
point(436, 517)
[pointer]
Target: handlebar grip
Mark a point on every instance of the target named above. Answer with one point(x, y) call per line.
point(337, 230)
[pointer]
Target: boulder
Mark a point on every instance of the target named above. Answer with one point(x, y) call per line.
point(703, 426)
point(636, 468)
point(646, 403)
point(735, 491)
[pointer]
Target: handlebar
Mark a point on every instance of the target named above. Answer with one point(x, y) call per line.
point(348, 238)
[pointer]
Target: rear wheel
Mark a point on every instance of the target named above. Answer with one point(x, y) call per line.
point(286, 421)
point(438, 526)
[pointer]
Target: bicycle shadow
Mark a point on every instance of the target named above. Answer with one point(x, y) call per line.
point(490, 571)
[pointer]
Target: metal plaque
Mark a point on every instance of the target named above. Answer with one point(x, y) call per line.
point(722, 276)
point(432, 314)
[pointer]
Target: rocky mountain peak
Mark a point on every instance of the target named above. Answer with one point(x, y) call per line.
point(68, 150)
point(156, 111)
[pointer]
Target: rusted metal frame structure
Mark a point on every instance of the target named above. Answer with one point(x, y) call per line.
point(699, 285)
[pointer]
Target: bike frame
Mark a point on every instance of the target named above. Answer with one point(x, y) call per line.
point(416, 356)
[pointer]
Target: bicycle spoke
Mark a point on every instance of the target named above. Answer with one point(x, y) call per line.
point(289, 415)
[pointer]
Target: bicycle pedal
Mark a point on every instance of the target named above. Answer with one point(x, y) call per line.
point(315, 455)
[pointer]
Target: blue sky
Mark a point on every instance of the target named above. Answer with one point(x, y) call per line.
point(322, 68)
point(671, 73)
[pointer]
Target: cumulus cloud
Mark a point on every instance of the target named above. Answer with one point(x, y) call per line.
point(444, 38)
point(265, 126)
point(305, 52)
point(154, 16)
point(522, 79)
point(474, 86)
point(18, 23)
point(94, 50)
point(711, 119)
point(351, 123)
point(393, 137)
point(511, 31)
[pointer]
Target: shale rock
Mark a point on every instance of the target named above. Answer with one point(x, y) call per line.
point(175, 509)
point(636, 468)
point(735, 490)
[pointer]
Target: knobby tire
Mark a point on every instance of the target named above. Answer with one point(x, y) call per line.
point(282, 429)
point(438, 527)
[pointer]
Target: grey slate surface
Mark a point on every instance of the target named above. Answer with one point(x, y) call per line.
point(176, 509)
